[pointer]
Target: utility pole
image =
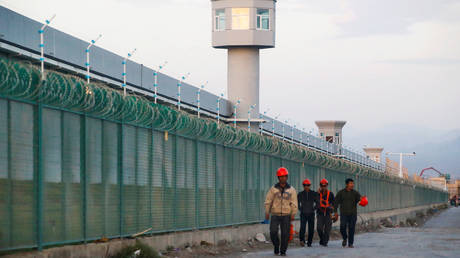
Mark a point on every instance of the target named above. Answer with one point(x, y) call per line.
point(401, 160)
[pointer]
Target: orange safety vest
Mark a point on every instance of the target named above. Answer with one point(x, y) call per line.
point(324, 203)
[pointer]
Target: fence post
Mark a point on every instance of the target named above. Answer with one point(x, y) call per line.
point(63, 178)
point(120, 174)
point(104, 182)
point(151, 179)
point(10, 176)
point(259, 187)
point(39, 177)
point(136, 174)
point(233, 179)
point(215, 186)
point(197, 205)
point(83, 171)
point(174, 179)
point(246, 191)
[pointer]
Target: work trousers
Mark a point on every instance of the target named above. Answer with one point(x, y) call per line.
point(348, 222)
point(283, 222)
point(307, 218)
point(323, 226)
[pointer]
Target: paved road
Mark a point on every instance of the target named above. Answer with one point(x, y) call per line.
point(440, 237)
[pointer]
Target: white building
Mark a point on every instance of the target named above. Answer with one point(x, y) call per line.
point(331, 131)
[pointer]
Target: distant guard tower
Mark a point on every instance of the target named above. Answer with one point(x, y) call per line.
point(243, 27)
point(374, 154)
point(331, 131)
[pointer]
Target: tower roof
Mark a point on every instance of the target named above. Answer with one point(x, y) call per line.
point(330, 124)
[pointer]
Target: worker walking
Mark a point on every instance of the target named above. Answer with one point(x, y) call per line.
point(281, 204)
point(308, 202)
point(324, 213)
point(347, 199)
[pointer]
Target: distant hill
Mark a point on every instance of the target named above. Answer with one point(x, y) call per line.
point(440, 149)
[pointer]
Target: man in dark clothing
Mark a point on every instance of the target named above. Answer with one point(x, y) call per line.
point(324, 212)
point(308, 202)
point(347, 199)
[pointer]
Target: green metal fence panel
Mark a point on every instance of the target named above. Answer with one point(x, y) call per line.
point(158, 195)
point(250, 181)
point(211, 183)
point(53, 187)
point(143, 142)
point(169, 183)
point(5, 181)
point(239, 186)
point(224, 191)
point(266, 174)
point(106, 179)
point(73, 189)
point(22, 197)
point(92, 165)
point(130, 188)
point(185, 183)
point(95, 208)
point(111, 185)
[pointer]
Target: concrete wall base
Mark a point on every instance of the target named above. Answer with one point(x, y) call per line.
point(213, 236)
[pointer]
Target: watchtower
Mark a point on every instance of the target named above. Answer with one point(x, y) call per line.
point(243, 27)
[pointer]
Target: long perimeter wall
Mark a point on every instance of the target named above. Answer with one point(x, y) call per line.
point(81, 162)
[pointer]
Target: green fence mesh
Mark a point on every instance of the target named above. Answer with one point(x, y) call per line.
point(80, 162)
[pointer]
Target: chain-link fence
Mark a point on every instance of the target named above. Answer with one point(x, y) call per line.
point(81, 162)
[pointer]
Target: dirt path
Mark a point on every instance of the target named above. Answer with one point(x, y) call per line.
point(439, 237)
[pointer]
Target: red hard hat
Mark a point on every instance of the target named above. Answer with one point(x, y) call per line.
point(363, 201)
point(323, 182)
point(282, 171)
point(306, 182)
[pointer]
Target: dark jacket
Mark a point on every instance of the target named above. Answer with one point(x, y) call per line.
point(308, 201)
point(325, 211)
point(347, 201)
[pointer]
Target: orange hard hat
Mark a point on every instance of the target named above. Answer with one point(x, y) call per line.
point(282, 171)
point(306, 182)
point(363, 201)
point(323, 182)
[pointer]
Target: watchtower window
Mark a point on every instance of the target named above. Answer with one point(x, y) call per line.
point(220, 20)
point(240, 18)
point(263, 19)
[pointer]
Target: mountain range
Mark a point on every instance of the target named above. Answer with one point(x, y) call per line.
point(434, 148)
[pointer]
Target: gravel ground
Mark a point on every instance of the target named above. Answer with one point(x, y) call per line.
point(439, 237)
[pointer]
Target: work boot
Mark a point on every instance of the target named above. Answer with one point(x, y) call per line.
point(302, 243)
point(344, 243)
